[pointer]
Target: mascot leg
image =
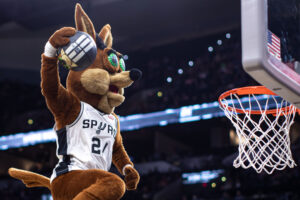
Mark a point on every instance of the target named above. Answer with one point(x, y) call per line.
point(108, 188)
point(90, 184)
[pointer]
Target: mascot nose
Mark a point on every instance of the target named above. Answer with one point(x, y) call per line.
point(135, 74)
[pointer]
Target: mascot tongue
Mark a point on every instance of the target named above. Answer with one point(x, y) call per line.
point(113, 88)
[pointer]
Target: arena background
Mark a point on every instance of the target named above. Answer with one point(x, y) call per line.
point(189, 52)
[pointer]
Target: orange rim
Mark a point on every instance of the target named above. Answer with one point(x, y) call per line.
point(251, 90)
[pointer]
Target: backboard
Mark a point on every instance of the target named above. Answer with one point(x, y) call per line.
point(270, 43)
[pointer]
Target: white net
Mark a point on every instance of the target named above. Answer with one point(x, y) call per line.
point(264, 142)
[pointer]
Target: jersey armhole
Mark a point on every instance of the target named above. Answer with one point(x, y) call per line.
point(78, 117)
point(73, 123)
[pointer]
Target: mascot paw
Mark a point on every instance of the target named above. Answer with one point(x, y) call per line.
point(61, 37)
point(132, 178)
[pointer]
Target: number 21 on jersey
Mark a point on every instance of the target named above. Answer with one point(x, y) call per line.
point(96, 146)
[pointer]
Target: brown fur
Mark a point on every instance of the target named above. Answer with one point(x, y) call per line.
point(101, 78)
point(30, 179)
point(92, 86)
point(64, 105)
point(88, 184)
point(83, 22)
point(105, 34)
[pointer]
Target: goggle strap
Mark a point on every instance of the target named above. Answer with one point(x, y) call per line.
point(100, 43)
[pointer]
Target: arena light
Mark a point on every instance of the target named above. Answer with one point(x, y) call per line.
point(125, 57)
point(159, 94)
point(200, 177)
point(210, 49)
point(46, 197)
point(191, 63)
point(27, 139)
point(223, 179)
point(169, 79)
point(228, 35)
point(30, 121)
point(184, 114)
point(180, 71)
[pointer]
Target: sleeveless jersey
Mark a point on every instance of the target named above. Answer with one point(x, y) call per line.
point(87, 143)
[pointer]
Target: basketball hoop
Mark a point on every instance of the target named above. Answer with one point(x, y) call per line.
point(262, 121)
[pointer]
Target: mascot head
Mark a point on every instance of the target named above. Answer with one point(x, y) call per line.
point(102, 83)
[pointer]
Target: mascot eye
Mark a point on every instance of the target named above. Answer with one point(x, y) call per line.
point(113, 59)
point(122, 64)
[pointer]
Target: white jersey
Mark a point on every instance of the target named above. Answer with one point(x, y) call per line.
point(87, 143)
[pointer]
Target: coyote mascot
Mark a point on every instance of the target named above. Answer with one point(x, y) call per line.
point(88, 131)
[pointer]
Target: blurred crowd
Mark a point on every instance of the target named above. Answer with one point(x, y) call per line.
point(183, 73)
point(174, 75)
point(232, 184)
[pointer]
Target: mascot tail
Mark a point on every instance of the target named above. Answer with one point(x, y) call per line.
point(30, 179)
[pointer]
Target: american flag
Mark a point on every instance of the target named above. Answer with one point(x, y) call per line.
point(274, 45)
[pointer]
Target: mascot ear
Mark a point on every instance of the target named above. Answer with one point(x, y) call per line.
point(83, 22)
point(106, 36)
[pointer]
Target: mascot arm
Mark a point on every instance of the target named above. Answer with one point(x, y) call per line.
point(122, 161)
point(120, 157)
point(63, 104)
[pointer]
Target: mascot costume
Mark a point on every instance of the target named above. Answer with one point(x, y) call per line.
point(88, 131)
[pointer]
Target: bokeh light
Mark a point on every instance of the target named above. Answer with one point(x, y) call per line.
point(191, 63)
point(228, 35)
point(213, 185)
point(30, 121)
point(125, 57)
point(223, 179)
point(180, 71)
point(159, 94)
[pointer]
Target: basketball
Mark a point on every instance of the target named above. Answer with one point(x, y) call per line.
point(79, 53)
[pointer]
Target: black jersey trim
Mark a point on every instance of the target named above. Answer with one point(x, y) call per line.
point(62, 141)
point(100, 113)
point(62, 167)
point(78, 117)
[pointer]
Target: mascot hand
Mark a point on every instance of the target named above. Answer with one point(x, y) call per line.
point(132, 178)
point(61, 37)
